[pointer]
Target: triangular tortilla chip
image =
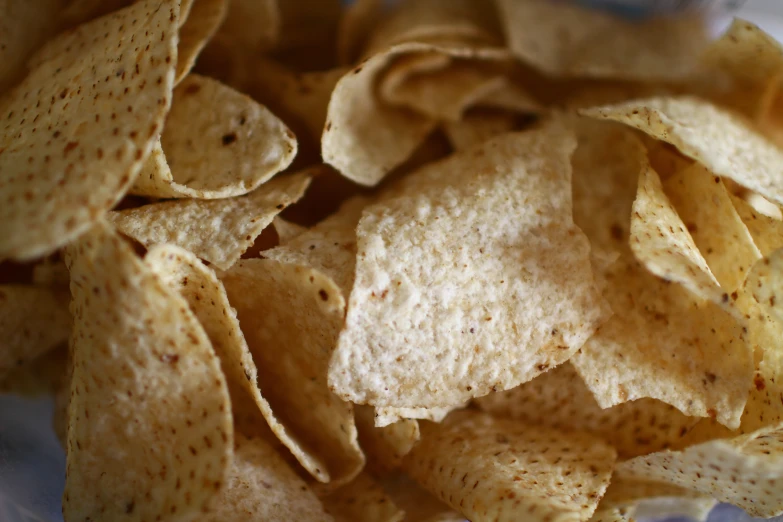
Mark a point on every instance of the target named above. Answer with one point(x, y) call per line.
point(361, 499)
point(386, 415)
point(286, 230)
point(716, 138)
point(262, 488)
point(149, 430)
point(705, 206)
point(492, 469)
point(569, 40)
point(660, 241)
point(519, 296)
point(219, 230)
point(207, 298)
point(201, 23)
point(291, 316)
point(560, 399)
point(217, 142)
point(81, 124)
point(767, 232)
point(33, 320)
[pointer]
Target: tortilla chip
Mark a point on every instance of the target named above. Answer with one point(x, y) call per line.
point(659, 334)
point(77, 12)
point(717, 139)
point(744, 471)
point(149, 431)
point(767, 232)
point(628, 499)
point(519, 297)
point(298, 309)
point(356, 25)
point(477, 127)
point(494, 469)
point(33, 320)
point(385, 446)
point(207, 298)
point(705, 206)
point(660, 241)
point(560, 399)
point(428, 20)
point(88, 147)
point(218, 143)
point(254, 25)
point(387, 415)
point(262, 488)
point(199, 27)
point(361, 499)
point(568, 40)
point(25, 26)
point(364, 138)
point(301, 96)
point(217, 230)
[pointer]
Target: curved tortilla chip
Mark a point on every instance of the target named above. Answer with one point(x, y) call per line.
point(386, 415)
point(286, 230)
point(364, 139)
point(767, 232)
point(218, 143)
point(492, 469)
point(207, 298)
point(262, 488)
point(660, 241)
point(291, 316)
point(219, 230)
point(765, 283)
point(714, 137)
point(569, 40)
point(79, 127)
point(560, 399)
point(705, 206)
point(149, 431)
point(434, 322)
point(201, 23)
point(33, 320)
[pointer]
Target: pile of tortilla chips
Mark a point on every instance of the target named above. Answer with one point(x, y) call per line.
point(427, 261)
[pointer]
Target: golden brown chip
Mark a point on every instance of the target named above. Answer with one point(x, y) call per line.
point(202, 22)
point(361, 499)
point(385, 446)
point(89, 138)
point(364, 139)
point(492, 469)
point(661, 343)
point(568, 40)
point(560, 399)
point(149, 431)
point(433, 321)
point(217, 142)
point(765, 283)
point(744, 471)
point(291, 316)
point(660, 241)
point(24, 26)
point(262, 488)
point(207, 298)
point(716, 138)
point(33, 320)
point(705, 206)
point(218, 230)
